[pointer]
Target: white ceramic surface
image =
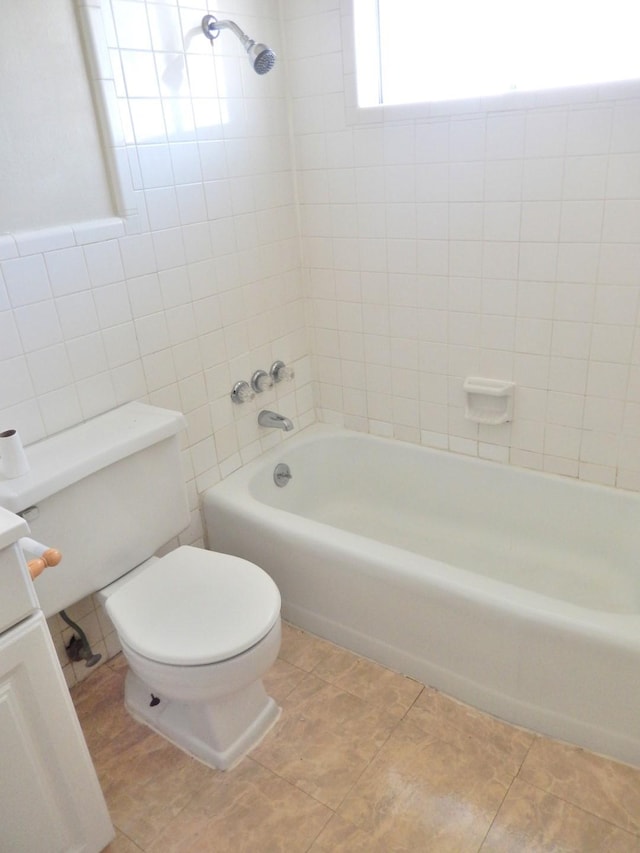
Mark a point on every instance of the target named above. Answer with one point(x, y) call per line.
point(514, 591)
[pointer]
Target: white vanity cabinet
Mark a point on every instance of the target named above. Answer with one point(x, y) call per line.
point(50, 798)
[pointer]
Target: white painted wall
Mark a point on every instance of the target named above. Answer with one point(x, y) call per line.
point(51, 166)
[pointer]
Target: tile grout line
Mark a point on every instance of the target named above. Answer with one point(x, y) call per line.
point(322, 829)
point(580, 808)
point(334, 811)
point(540, 737)
point(373, 757)
point(506, 794)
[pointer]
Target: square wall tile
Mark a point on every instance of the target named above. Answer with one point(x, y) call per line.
point(26, 280)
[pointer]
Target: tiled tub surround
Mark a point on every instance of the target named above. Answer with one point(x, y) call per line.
point(362, 761)
point(476, 238)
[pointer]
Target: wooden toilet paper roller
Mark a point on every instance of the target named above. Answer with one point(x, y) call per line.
point(43, 556)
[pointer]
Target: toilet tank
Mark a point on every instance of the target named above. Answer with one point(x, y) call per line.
point(107, 493)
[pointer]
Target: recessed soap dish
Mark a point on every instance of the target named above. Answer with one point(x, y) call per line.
point(488, 401)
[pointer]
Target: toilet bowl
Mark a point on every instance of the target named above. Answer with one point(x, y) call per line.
point(199, 629)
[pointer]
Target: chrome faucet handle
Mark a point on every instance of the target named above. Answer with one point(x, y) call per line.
point(242, 392)
point(261, 381)
point(280, 371)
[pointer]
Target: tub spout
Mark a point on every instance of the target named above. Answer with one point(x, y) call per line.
point(273, 419)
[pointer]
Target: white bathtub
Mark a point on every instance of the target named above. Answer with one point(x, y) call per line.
point(516, 592)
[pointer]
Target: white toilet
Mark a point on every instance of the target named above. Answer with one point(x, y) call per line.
point(199, 629)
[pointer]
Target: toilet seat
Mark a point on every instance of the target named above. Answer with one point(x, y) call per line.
point(195, 607)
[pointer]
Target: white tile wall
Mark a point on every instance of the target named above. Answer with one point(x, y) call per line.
point(504, 243)
point(168, 309)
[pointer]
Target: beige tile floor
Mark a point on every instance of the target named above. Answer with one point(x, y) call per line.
point(362, 760)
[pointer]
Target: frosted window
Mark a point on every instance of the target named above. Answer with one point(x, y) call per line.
point(411, 51)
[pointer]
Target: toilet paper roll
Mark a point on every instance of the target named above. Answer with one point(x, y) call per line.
point(13, 459)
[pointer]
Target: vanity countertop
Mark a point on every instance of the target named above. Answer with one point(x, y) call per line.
point(12, 527)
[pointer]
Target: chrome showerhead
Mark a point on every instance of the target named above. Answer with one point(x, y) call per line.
point(261, 57)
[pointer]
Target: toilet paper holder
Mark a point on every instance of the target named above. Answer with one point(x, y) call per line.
point(43, 556)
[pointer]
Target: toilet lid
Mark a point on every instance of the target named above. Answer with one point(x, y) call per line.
point(195, 607)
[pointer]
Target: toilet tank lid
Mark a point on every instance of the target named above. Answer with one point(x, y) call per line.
point(69, 456)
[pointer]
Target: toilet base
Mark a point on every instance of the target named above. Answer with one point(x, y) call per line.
point(218, 733)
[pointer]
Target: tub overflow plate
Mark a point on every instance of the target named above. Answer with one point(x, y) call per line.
point(281, 474)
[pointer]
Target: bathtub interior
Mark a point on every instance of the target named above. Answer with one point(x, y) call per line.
point(571, 541)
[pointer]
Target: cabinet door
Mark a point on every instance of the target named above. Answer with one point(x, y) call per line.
point(50, 798)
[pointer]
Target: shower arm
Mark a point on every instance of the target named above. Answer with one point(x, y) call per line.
point(212, 26)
